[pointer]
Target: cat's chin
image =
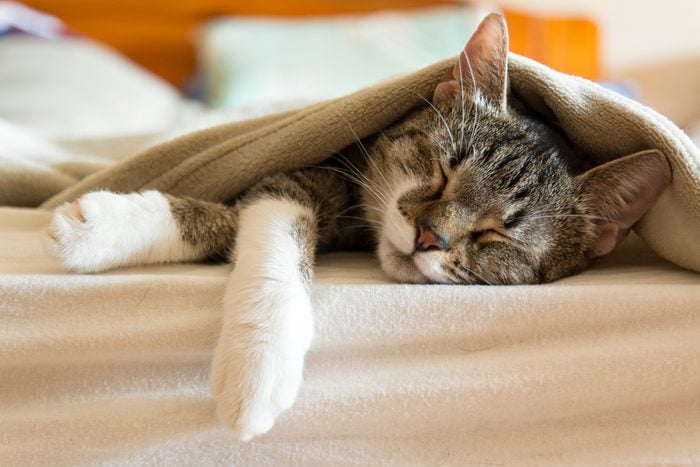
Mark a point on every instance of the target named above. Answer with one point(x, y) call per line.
point(399, 265)
point(417, 268)
point(429, 264)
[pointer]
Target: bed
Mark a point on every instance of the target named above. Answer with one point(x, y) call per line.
point(112, 369)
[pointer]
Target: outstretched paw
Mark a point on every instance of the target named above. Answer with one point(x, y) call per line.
point(259, 360)
point(103, 230)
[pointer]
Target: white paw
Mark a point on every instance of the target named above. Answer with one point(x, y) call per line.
point(103, 230)
point(259, 359)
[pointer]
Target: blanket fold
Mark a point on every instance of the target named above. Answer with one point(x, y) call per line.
point(217, 163)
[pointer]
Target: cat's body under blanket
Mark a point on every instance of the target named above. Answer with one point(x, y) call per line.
point(465, 190)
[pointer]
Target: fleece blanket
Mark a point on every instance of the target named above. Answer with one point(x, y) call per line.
point(217, 163)
point(602, 368)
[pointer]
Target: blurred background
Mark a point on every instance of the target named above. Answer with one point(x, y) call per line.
point(130, 65)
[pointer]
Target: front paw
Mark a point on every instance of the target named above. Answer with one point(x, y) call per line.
point(259, 359)
point(103, 230)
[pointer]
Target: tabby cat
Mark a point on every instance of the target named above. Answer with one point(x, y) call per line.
point(466, 190)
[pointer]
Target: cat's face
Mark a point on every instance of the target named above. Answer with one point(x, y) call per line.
point(500, 208)
point(476, 193)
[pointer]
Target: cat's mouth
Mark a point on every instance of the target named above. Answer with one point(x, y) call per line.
point(398, 253)
point(399, 265)
point(415, 266)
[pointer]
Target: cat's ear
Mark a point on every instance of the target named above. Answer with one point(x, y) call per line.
point(483, 64)
point(620, 192)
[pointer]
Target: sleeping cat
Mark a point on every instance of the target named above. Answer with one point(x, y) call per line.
point(466, 190)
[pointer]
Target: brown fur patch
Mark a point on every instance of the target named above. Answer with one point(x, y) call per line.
point(208, 226)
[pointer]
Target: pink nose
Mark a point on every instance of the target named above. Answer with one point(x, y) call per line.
point(427, 238)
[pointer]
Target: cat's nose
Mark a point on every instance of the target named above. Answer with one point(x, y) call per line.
point(427, 238)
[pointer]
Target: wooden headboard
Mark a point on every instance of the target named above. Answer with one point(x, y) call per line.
point(157, 34)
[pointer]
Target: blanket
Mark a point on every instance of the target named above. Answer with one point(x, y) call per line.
point(217, 163)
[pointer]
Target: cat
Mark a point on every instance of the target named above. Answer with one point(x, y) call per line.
point(465, 190)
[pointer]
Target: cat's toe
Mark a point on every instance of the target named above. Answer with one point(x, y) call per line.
point(244, 385)
point(77, 235)
point(250, 413)
point(56, 226)
point(62, 216)
point(285, 391)
point(72, 211)
point(250, 420)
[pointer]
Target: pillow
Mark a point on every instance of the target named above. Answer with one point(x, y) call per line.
point(74, 88)
point(248, 62)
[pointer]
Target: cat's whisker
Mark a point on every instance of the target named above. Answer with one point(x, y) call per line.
point(584, 216)
point(380, 211)
point(358, 227)
point(456, 276)
point(364, 219)
point(361, 181)
point(366, 154)
point(348, 209)
point(361, 205)
point(344, 173)
point(473, 107)
point(379, 197)
point(353, 167)
point(444, 121)
point(379, 171)
point(462, 267)
point(363, 149)
point(375, 191)
point(461, 89)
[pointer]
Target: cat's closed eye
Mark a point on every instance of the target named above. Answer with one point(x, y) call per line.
point(487, 236)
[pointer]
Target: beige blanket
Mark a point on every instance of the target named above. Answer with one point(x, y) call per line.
point(217, 163)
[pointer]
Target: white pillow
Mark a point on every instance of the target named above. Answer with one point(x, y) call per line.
point(74, 88)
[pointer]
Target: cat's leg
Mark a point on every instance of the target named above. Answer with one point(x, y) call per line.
point(103, 230)
point(267, 325)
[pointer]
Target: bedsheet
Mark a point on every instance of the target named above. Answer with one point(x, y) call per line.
point(112, 368)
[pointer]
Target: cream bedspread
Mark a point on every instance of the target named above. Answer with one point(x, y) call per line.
point(603, 367)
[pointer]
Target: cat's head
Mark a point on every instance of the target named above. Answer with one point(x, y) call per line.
point(477, 193)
